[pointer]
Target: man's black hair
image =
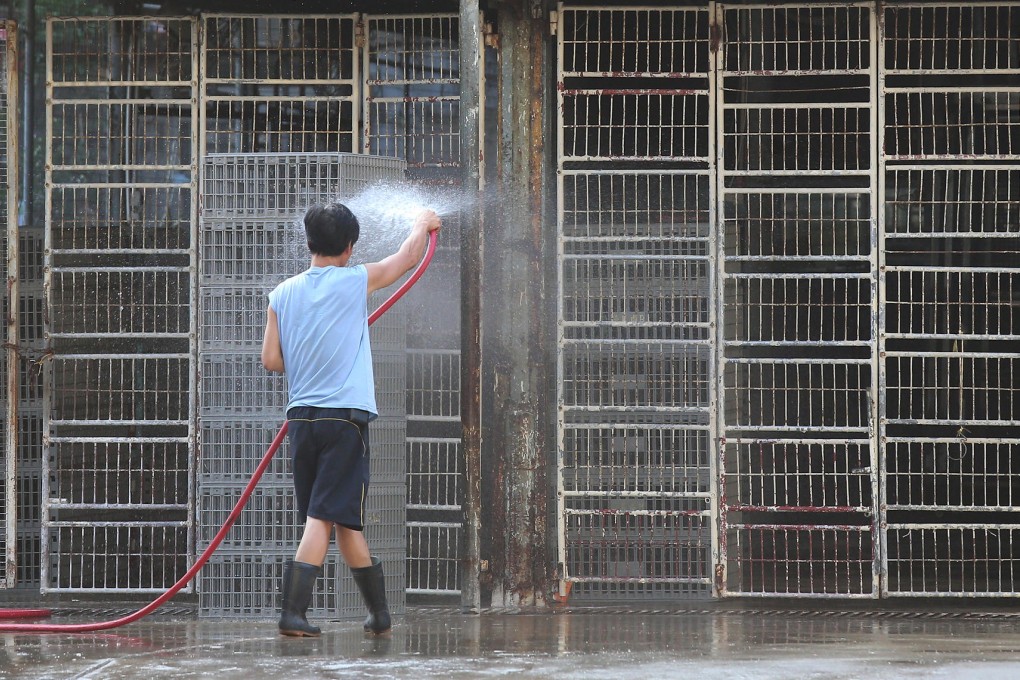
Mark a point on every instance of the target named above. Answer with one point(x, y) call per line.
point(330, 229)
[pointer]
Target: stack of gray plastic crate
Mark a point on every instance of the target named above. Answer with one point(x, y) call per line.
point(251, 239)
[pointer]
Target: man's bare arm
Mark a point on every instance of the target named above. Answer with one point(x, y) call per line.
point(272, 352)
point(387, 271)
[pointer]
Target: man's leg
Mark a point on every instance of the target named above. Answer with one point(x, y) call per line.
point(353, 547)
point(299, 578)
point(368, 575)
point(314, 542)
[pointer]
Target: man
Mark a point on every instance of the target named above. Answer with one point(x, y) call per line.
point(317, 330)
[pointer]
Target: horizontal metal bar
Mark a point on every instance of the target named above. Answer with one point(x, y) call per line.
point(632, 74)
point(63, 524)
point(103, 84)
point(955, 593)
point(800, 173)
point(121, 185)
point(862, 509)
point(947, 166)
point(426, 506)
point(796, 276)
point(910, 526)
point(634, 494)
point(950, 440)
point(942, 156)
point(785, 106)
point(142, 269)
point(639, 579)
point(985, 89)
point(958, 508)
point(141, 357)
point(411, 99)
point(432, 419)
point(799, 440)
point(121, 334)
point(117, 251)
point(609, 172)
point(951, 336)
point(946, 72)
point(276, 98)
point(56, 167)
point(952, 355)
point(616, 342)
point(276, 82)
point(812, 596)
point(434, 525)
point(790, 361)
point(61, 503)
point(949, 422)
point(126, 101)
point(102, 421)
point(636, 91)
point(625, 257)
point(799, 343)
point(796, 72)
point(862, 528)
point(118, 440)
point(430, 591)
point(610, 512)
point(678, 159)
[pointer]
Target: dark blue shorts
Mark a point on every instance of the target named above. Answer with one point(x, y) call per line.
point(329, 457)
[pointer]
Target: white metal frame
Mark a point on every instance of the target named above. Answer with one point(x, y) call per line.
point(618, 505)
point(9, 176)
point(81, 153)
point(735, 433)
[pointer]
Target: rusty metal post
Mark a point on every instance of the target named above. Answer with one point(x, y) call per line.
point(519, 368)
point(13, 296)
point(470, 295)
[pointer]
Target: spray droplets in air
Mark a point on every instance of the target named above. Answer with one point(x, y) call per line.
point(387, 211)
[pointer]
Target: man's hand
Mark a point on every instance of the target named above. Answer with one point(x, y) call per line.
point(387, 271)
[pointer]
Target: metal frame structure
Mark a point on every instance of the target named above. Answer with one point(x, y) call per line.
point(949, 400)
point(9, 165)
point(411, 89)
point(635, 370)
point(120, 262)
point(797, 284)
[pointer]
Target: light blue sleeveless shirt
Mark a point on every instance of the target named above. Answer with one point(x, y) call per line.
point(322, 315)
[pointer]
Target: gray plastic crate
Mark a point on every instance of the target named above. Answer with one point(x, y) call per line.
point(232, 449)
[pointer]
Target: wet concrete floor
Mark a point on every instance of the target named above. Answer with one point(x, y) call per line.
point(583, 643)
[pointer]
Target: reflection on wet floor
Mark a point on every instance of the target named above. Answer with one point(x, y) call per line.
point(579, 644)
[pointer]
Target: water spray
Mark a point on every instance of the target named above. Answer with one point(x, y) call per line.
point(222, 533)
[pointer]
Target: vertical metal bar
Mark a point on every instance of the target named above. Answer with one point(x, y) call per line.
point(878, 314)
point(563, 588)
point(470, 286)
point(716, 260)
point(46, 366)
point(28, 115)
point(13, 304)
point(197, 140)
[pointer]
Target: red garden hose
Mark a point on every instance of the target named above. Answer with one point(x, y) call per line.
point(234, 514)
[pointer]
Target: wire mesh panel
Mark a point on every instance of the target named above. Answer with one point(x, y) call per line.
point(950, 400)
point(252, 239)
point(411, 88)
point(279, 83)
point(634, 355)
point(9, 397)
point(797, 201)
point(120, 176)
point(29, 454)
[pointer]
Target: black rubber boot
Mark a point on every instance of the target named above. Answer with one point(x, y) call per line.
point(298, 584)
point(372, 585)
